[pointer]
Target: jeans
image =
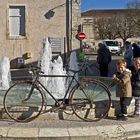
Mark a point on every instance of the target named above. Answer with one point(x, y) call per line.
point(137, 105)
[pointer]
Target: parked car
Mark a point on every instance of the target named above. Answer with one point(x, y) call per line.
point(113, 46)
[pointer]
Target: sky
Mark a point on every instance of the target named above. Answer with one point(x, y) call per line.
point(103, 4)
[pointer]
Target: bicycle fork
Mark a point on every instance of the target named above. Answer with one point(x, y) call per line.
point(29, 95)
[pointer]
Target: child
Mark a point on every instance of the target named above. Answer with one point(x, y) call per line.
point(122, 79)
point(136, 85)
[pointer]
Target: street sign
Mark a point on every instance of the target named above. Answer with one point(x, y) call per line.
point(81, 36)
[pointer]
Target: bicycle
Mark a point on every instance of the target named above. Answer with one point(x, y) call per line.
point(26, 100)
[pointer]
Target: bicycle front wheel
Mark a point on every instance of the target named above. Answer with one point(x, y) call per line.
point(22, 106)
point(91, 100)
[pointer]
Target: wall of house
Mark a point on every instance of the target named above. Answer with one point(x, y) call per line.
point(37, 26)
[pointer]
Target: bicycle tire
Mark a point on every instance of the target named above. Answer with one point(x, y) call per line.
point(17, 107)
point(90, 101)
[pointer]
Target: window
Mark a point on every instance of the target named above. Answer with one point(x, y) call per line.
point(17, 21)
point(112, 43)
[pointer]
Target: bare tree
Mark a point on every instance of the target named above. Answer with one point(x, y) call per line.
point(105, 28)
point(122, 27)
point(100, 27)
point(126, 27)
point(111, 30)
point(133, 12)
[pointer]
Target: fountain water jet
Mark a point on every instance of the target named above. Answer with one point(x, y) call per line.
point(52, 68)
point(5, 75)
point(57, 82)
point(45, 60)
point(56, 85)
point(73, 64)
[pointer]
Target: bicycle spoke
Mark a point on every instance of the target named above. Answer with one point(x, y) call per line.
point(91, 102)
point(19, 105)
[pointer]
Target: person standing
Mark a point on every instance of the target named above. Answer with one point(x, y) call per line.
point(103, 59)
point(128, 55)
point(136, 50)
point(136, 86)
point(122, 79)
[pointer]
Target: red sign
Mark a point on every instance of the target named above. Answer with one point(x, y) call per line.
point(81, 35)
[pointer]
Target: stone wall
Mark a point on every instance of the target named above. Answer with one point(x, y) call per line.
point(37, 27)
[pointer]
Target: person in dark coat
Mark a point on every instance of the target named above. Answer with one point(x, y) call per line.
point(135, 80)
point(128, 55)
point(136, 50)
point(103, 59)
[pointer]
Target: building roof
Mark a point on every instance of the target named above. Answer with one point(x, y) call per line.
point(104, 12)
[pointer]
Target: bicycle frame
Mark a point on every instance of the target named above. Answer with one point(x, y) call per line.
point(76, 100)
point(38, 84)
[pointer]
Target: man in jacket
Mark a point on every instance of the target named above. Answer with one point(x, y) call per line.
point(103, 59)
point(136, 50)
point(128, 55)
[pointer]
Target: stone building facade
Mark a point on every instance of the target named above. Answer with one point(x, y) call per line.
point(25, 23)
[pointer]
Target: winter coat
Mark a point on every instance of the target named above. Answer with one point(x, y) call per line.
point(123, 85)
point(136, 51)
point(104, 55)
point(128, 55)
point(135, 80)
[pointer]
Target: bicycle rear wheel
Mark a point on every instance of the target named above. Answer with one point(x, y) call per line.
point(18, 107)
point(90, 101)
